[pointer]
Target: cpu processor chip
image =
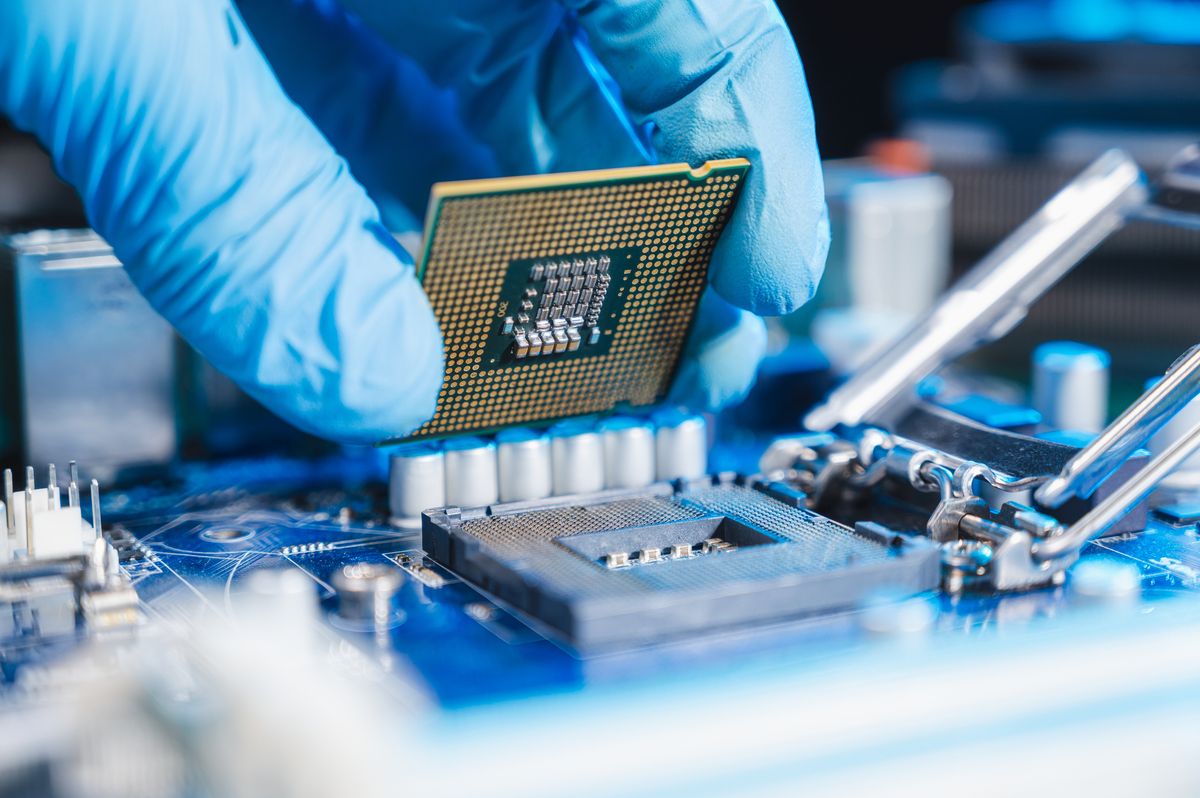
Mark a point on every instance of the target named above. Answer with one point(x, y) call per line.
point(568, 294)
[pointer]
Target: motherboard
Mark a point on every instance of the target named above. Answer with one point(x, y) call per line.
point(926, 560)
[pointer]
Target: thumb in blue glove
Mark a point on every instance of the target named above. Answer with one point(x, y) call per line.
point(553, 86)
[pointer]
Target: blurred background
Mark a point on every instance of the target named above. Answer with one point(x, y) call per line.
point(943, 126)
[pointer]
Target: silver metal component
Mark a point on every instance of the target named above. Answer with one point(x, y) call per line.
point(524, 463)
point(416, 482)
point(650, 555)
point(471, 475)
point(1070, 385)
point(681, 445)
point(367, 591)
point(681, 551)
point(577, 454)
point(628, 453)
point(73, 486)
point(1094, 463)
point(994, 296)
point(29, 522)
point(97, 563)
point(8, 501)
point(91, 350)
point(1175, 198)
point(1101, 517)
point(96, 522)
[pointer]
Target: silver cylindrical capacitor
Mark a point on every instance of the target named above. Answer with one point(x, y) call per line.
point(681, 445)
point(577, 454)
point(471, 475)
point(1070, 385)
point(524, 461)
point(416, 482)
point(367, 592)
point(628, 452)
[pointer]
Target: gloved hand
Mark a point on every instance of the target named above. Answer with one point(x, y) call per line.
point(236, 215)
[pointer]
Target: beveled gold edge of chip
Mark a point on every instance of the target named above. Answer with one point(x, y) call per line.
point(497, 185)
point(488, 185)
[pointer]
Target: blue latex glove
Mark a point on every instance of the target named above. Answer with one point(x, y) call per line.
point(231, 204)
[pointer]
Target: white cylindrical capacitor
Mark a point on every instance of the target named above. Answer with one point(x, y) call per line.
point(416, 482)
point(471, 475)
point(524, 458)
point(577, 452)
point(628, 452)
point(681, 445)
point(1070, 385)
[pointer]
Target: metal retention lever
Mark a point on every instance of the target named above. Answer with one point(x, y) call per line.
point(1101, 517)
point(995, 295)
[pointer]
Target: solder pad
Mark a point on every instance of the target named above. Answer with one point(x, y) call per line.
point(634, 244)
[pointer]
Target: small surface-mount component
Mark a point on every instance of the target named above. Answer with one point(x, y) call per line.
point(619, 256)
point(624, 568)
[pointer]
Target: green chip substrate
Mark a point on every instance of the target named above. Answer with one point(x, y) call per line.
point(568, 294)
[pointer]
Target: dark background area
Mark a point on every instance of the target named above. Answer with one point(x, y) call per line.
point(850, 51)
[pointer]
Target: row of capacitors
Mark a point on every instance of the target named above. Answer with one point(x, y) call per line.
point(523, 464)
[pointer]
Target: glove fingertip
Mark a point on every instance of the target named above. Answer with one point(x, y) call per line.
point(767, 277)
